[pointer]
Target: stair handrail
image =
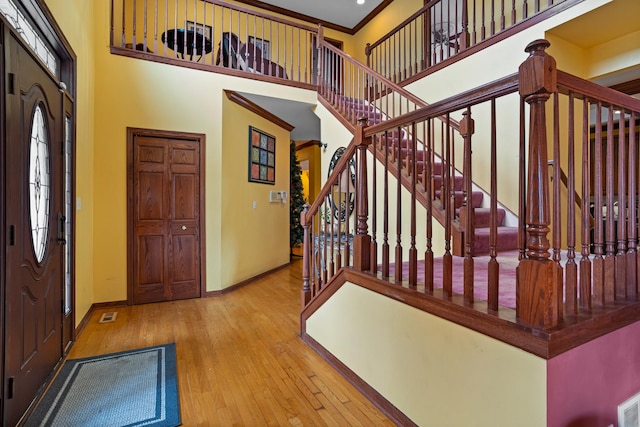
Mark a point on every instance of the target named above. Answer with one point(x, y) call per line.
point(499, 87)
point(371, 79)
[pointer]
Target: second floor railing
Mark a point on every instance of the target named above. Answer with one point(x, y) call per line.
point(442, 29)
point(213, 34)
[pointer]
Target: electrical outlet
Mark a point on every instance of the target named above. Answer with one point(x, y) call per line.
point(629, 412)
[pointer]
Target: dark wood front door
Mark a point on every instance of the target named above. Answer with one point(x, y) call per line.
point(34, 214)
point(165, 230)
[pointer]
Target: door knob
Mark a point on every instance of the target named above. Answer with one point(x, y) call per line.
point(184, 227)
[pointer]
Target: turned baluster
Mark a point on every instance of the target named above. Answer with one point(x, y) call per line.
point(306, 257)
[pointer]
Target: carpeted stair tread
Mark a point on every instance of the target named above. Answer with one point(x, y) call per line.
point(507, 239)
point(476, 198)
point(482, 216)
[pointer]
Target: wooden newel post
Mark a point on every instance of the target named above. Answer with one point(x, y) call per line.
point(538, 281)
point(306, 257)
point(362, 240)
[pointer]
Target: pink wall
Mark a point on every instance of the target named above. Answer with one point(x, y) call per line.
point(585, 385)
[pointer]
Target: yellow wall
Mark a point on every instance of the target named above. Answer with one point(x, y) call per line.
point(157, 96)
point(68, 13)
point(392, 15)
point(254, 240)
point(434, 371)
point(114, 93)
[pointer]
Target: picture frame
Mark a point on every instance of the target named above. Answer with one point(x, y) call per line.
point(262, 157)
point(200, 29)
point(263, 45)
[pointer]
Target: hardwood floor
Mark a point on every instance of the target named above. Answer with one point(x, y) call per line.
point(240, 359)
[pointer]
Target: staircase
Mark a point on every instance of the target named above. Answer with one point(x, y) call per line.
point(398, 147)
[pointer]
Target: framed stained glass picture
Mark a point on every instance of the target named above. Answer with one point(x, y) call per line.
point(262, 157)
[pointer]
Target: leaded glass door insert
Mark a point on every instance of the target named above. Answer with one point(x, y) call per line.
point(39, 184)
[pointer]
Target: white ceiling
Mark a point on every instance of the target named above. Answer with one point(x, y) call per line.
point(345, 13)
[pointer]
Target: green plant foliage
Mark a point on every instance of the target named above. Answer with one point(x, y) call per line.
point(296, 203)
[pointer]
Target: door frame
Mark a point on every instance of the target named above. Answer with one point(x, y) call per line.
point(156, 133)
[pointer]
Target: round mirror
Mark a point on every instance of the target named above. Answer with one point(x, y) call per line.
point(342, 196)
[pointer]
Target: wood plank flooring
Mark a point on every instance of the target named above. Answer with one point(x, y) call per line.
point(241, 361)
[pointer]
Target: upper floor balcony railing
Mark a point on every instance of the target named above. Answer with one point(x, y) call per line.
point(442, 29)
point(213, 34)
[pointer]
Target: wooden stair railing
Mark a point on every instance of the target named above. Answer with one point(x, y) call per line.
point(354, 91)
point(543, 281)
point(442, 30)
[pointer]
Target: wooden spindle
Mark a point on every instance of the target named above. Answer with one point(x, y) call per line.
point(373, 263)
point(306, 256)
point(385, 211)
point(347, 214)
point(632, 212)
point(428, 172)
point(134, 23)
point(464, 36)
point(620, 283)
point(398, 253)
point(522, 179)
point(467, 128)
point(493, 266)
point(483, 31)
point(557, 203)
point(493, 17)
point(610, 249)
point(144, 26)
point(404, 57)
point(538, 279)
point(598, 261)
point(447, 260)
point(585, 261)
point(112, 33)
point(413, 252)
point(571, 287)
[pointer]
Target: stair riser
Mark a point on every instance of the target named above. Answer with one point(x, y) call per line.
point(476, 198)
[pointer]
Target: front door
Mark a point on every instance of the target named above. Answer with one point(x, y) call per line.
point(35, 226)
point(164, 216)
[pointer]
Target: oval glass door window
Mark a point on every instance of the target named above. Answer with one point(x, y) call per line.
point(39, 184)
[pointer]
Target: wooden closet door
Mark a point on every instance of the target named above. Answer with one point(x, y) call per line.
point(166, 233)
